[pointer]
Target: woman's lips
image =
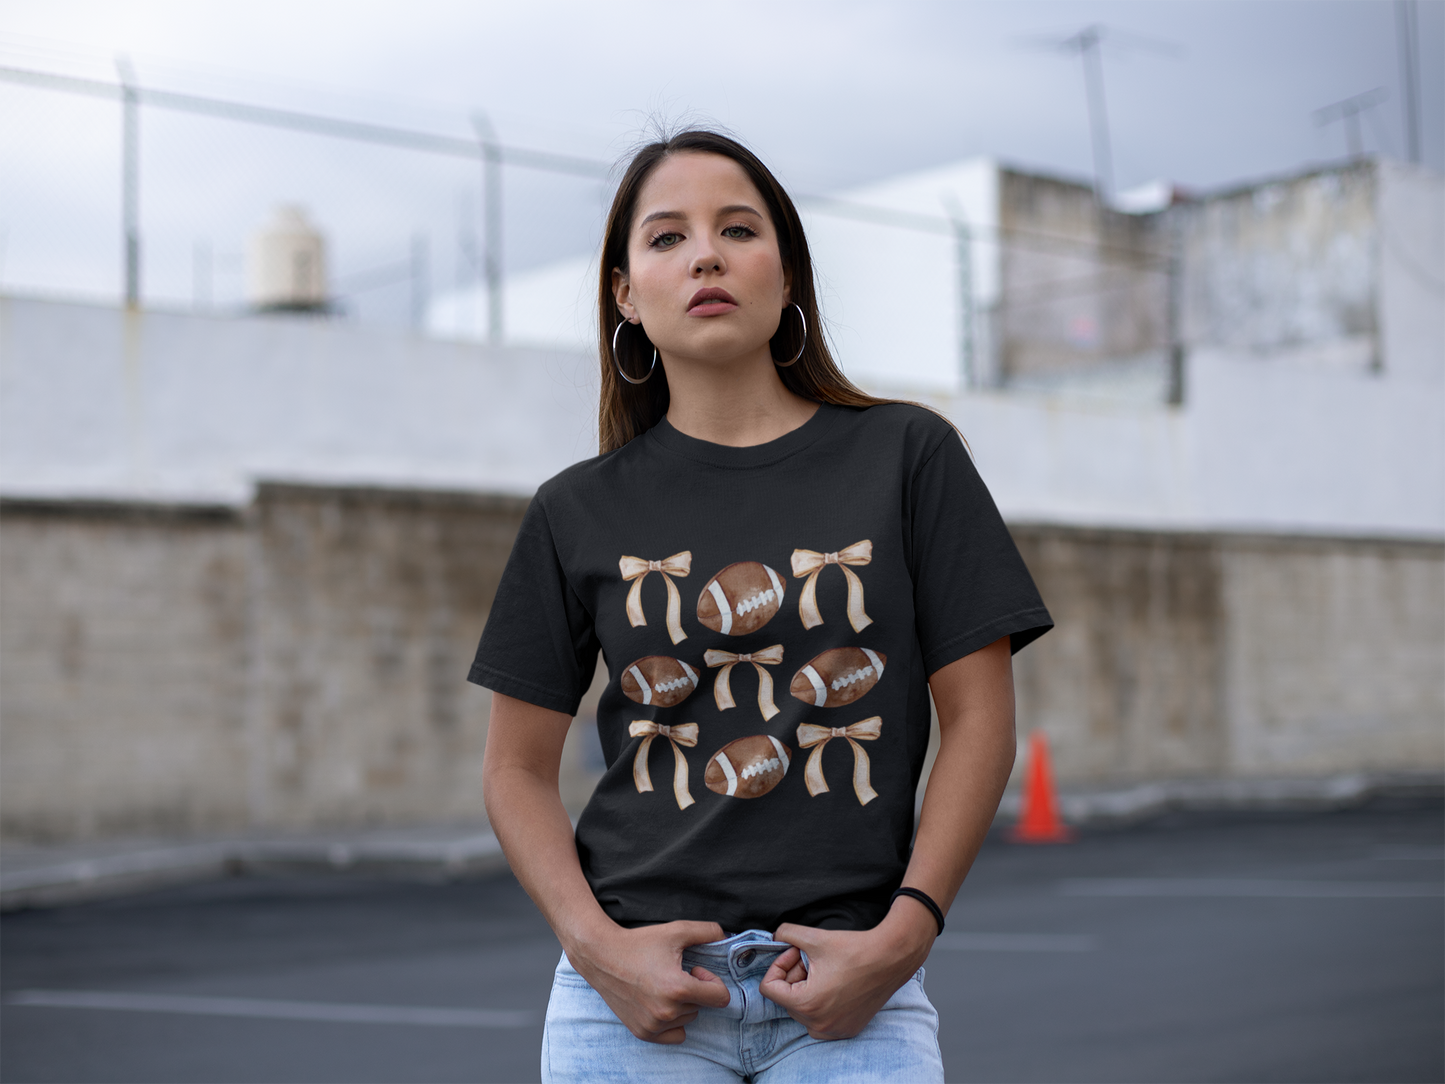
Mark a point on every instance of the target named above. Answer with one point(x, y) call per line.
point(711, 302)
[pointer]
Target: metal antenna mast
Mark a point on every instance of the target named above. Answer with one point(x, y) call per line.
point(1349, 111)
point(1407, 22)
point(1086, 44)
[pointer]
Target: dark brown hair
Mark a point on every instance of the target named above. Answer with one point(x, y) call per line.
point(628, 410)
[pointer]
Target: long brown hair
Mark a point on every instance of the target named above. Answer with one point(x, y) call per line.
point(629, 410)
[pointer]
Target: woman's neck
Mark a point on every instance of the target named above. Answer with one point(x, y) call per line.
point(739, 404)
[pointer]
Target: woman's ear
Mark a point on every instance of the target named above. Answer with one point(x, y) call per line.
point(787, 286)
point(622, 291)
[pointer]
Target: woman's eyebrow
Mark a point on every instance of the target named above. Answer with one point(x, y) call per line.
point(730, 209)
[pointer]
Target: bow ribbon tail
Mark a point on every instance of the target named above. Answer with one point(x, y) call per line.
point(634, 602)
point(808, 601)
point(674, 611)
point(679, 779)
point(813, 773)
point(856, 617)
point(640, 777)
point(722, 689)
point(765, 693)
point(861, 784)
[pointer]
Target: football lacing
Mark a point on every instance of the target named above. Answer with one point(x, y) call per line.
point(851, 679)
point(668, 686)
point(757, 602)
point(761, 766)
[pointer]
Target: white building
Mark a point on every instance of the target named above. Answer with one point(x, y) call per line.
point(1308, 314)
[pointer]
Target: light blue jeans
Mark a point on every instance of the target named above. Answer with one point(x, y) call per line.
point(752, 1039)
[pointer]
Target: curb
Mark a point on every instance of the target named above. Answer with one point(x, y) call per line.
point(1143, 801)
point(141, 870)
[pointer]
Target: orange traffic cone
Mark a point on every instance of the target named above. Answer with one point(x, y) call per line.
point(1040, 822)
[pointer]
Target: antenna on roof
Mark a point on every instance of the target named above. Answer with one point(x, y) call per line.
point(1349, 111)
point(1407, 26)
point(1087, 44)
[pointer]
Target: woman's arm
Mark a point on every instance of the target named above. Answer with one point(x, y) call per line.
point(851, 974)
point(638, 972)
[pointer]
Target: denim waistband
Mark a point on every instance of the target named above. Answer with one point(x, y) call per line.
point(736, 955)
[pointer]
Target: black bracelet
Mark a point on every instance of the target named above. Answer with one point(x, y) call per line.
point(923, 898)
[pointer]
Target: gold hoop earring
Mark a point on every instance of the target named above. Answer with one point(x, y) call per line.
point(803, 346)
point(617, 361)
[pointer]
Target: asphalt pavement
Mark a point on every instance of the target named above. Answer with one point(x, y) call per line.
point(1197, 947)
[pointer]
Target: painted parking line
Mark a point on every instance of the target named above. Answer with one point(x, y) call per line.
point(268, 1009)
point(1225, 888)
point(1016, 942)
point(1405, 852)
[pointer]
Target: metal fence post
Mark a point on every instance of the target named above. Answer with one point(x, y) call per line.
point(130, 179)
point(419, 280)
point(492, 243)
point(1174, 286)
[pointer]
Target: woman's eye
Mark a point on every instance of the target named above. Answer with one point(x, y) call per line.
point(738, 233)
point(665, 240)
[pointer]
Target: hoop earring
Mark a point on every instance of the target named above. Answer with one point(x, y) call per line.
point(803, 345)
point(616, 361)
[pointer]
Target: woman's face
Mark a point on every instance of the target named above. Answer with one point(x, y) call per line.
point(705, 277)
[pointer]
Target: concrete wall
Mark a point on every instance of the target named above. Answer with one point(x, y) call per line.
point(301, 663)
point(1226, 655)
point(298, 664)
point(1277, 266)
point(123, 642)
point(164, 407)
point(95, 402)
point(1080, 284)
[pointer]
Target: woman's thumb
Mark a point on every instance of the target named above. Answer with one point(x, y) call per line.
point(697, 933)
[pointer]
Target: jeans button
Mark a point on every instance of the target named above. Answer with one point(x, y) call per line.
point(746, 958)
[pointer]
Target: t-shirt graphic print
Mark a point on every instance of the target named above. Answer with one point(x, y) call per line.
point(809, 748)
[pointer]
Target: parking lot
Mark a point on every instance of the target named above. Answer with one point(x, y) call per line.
point(1199, 947)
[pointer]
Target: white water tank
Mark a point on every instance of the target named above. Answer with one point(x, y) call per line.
point(286, 264)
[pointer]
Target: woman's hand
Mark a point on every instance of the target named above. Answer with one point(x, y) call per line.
point(850, 974)
point(639, 974)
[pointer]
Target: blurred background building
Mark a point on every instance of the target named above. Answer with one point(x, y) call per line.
point(248, 539)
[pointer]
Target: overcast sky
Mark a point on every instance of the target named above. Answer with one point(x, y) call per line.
point(832, 95)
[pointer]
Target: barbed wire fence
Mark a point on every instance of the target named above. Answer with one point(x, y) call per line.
point(386, 196)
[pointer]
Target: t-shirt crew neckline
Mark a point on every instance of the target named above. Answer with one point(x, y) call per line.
point(754, 455)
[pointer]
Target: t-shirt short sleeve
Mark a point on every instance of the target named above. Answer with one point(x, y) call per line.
point(971, 586)
point(540, 644)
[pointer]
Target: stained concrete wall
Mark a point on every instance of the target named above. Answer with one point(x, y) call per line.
point(1285, 264)
point(1081, 284)
point(1185, 655)
point(123, 675)
point(298, 664)
point(301, 663)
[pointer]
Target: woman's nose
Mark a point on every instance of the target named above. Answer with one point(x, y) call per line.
point(707, 259)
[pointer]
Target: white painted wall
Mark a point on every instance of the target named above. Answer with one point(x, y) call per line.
point(98, 402)
point(95, 402)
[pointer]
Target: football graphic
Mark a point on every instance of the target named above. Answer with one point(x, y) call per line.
point(659, 681)
point(740, 599)
point(838, 677)
point(748, 767)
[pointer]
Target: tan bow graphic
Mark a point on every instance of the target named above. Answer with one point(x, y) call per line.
point(685, 734)
point(817, 738)
point(809, 563)
point(636, 570)
point(722, 690)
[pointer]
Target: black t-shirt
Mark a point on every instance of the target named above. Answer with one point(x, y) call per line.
point(776, 787)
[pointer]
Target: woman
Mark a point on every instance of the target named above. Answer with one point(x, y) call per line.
point(737, 918)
